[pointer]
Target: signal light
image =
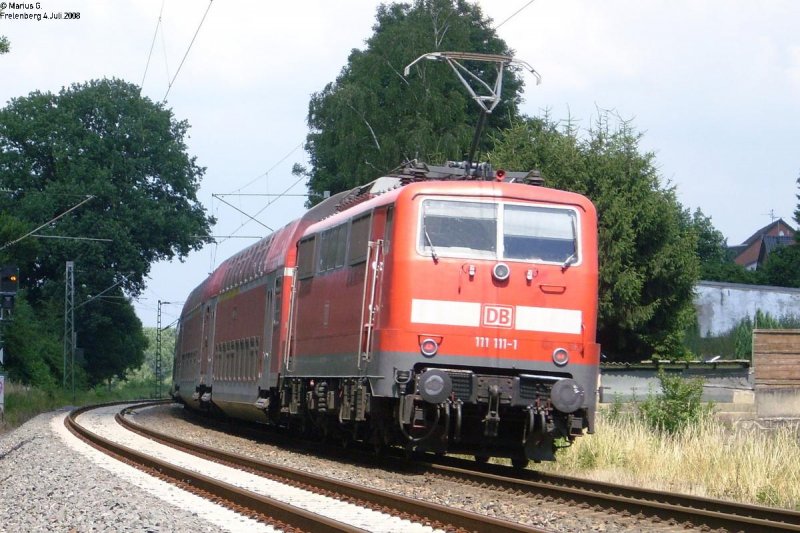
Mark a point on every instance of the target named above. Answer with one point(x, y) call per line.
point(429, 344)
point(9, 280)
point(560, 356)
point(500, 175)
point(429, 347)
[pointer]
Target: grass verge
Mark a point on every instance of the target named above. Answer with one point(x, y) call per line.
point(706, 458)
point(23, 403)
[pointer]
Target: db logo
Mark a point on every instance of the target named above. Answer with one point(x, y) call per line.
point(498, 316)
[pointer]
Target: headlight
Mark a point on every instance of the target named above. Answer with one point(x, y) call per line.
point(567, 395)
point(435, 385)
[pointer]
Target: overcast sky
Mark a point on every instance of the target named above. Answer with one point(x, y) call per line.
point(713, 85)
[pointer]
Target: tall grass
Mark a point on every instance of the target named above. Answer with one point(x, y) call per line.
point(705, 458)
point(23, 403)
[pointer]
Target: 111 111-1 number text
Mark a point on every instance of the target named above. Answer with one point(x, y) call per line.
point(499, 343)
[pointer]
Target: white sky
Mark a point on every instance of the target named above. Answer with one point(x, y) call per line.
point(713, 84)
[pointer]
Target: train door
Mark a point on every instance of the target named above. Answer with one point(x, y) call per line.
point(371, 296)
point(206, 349)
point(272, 320)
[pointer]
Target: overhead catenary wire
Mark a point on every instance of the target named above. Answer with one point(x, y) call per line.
point(152, 44)
point(6, 245)
point(517, 12)
point(169, 87)
point(266, 174)
point(101, 293)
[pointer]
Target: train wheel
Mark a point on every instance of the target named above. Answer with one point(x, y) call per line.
point(482, 459)
point(519, 462)
point(378, 442)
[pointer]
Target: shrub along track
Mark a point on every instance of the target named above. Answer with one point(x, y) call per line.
point(279, 514)
point(657, 506)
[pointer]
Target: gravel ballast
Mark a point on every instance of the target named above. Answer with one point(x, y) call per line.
point(49, 483)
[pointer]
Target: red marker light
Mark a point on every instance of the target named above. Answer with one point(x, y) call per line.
point(500, 175)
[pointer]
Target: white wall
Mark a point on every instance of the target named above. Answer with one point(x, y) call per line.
point(721, 306)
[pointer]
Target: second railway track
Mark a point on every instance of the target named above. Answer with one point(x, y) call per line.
point(658, 506)
point(273, 511)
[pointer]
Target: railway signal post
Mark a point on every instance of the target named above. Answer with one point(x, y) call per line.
point(9, 283)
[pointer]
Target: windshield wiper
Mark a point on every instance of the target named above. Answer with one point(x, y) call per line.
point(570, 260)
point(430, 243)
point(573, 258)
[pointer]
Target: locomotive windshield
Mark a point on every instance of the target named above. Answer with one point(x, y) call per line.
point(497, 230)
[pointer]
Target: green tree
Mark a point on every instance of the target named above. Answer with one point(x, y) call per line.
point(32, 349)
point(5, 46)
point(783, 265)
point(102, 140)
point(782, 268)
point(373, 118)
point(147, 371)
point(712, 251)
point(648, 259)
point(113, 341)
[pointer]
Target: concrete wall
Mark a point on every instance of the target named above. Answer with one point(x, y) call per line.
point(719, 385)
point(721, 306)
point(777, 402)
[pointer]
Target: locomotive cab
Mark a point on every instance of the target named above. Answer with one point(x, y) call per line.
point(499, 286)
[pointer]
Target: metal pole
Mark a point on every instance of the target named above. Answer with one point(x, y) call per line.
point(158, 351)
point(69, 323)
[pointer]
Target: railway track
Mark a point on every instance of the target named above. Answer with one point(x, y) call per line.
point(692, 511)
point(273, 511)
point(658, 506)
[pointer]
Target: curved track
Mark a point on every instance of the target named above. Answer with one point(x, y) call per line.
point(658, 506)
point(273, 511)
point(693, 511)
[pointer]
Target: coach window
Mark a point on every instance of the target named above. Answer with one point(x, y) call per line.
point(359, 239)
point(333, 244)
point(276, 313)
point(387, 232)
point(305, 258)
point(341, 245)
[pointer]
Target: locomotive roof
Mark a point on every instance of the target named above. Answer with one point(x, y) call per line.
point(443, 180)
point(275, 250)
point(263, 256)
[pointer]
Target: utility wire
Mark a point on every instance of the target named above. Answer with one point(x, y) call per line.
point(6, 245)
point(514, 15)
point(71, 238)
point(152, 45)
point(253, 217)
point(96, 296)
point(169, 87)
point(284, 158)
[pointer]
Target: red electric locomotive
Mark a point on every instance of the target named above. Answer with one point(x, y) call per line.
point(425, 310)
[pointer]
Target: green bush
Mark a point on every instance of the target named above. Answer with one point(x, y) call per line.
point(678, 406)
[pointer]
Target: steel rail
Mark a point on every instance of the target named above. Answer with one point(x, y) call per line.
point(446, 516)
point(666, 506)
point(698, 510)
point(235, 497)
